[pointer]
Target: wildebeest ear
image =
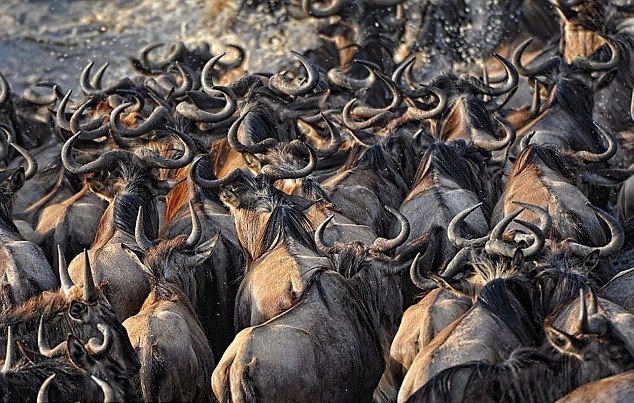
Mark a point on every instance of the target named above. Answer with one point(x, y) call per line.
point(457, 287)
point(229, 198)
point(518, 258)
point(562, 341)
point(591, 260)
point(135, 255)
point(252, 162)
point(97, 186)
point(77, 354)
point(605, 80)
point(15, 182)
point(204, 250)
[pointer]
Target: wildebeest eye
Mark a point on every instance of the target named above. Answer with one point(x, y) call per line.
point(77, 310)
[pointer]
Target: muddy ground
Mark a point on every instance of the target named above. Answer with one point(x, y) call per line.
point(54, 39)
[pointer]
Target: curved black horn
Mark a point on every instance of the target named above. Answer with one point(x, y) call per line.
point(604, 156)
point(196, 232)
point(214, 183)
point(276, 173)
point(456, 264)
point(9, 357)
point(42, 393)
point(62, 268)
point(319, 236)
point(535, 70)
point(495, 245)
point(495, 145)
point(158, 115)
point(509, 84)
point(97, 348)
point(90, 291)
point(31, 163)
point(335, 138)
point(232, 139)
point(617, 238)
point(206, 77)
point(587, 64)
point(371, 122)
point(324, 11)
point(60, 114)
point(191, 111)
point(106, 389)
point(86, 83)
point(139, 233)
point(93, 129)
point(104, 162)
point(453, 230)
point(420, 114)
point(42, 344)
point(420, 281)
point(385, 245)
point(340, 79)
point(281, 84)
point(153, 158)
point(4, 141)
point(5, 89)
point(539, 240)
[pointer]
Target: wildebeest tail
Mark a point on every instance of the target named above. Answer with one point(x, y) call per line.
point(152, 372)
point(242, 388)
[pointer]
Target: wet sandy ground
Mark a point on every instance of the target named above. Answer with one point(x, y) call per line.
point(54, 39)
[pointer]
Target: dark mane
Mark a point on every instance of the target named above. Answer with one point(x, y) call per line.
point(288, 222)
point(515, 313)
point(483, 380)
point(565, 165)
point(574, 95)
point(350, 259)
point(454, 160)
point(557, 289)
point(311, 190)
point(135, 193)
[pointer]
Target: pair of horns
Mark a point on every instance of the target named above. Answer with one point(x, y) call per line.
point(146, 244)
point(90, 290)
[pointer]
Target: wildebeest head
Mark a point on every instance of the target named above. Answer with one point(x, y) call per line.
point(596, 343)
point(264, 216)
point(172, 261)
point(77, 309)
point(370, 271)
point(467, 117)
point(463, 165)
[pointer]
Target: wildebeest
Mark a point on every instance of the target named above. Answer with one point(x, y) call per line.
point(176, 359)
point(537, 374)
point(342, 320)
point(277, 238)
point(72, 308)
point(544, 177)
point(499, 321)
point(25, 270)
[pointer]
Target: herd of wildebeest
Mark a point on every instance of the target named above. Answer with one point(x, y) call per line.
point(352, 229)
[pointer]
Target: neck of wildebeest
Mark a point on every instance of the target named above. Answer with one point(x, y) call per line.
point(8, 230)
point(118, 221)
point(578, 41)
point(551, 377)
